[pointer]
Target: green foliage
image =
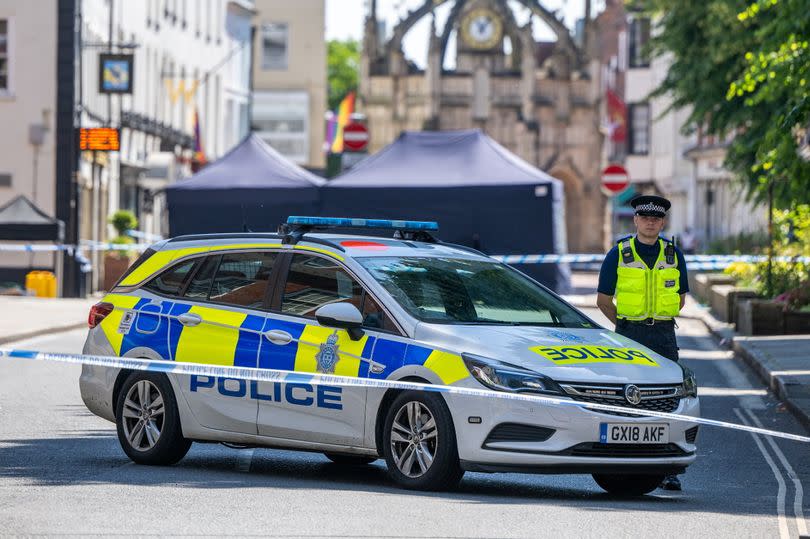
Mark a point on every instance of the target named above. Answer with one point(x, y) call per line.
point(744, 274)
point(743, 243)
point(744, 69)
point(342, 65)
point(122, 221)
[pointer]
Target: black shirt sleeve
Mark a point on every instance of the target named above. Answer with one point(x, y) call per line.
point(607, 273)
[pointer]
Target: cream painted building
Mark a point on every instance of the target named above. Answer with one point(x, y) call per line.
point(289, 78)
point(189, 56)
point(27, 110)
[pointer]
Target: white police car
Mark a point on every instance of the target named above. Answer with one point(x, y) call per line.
point(406, 309)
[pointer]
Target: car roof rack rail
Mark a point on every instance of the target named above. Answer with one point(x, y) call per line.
point(296, 226)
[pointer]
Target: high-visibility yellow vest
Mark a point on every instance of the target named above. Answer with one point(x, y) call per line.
point(642, 292)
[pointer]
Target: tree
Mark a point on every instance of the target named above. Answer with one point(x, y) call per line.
point(744, 69)
point(343, 62)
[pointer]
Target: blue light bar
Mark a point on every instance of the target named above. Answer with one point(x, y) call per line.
point(347, 222)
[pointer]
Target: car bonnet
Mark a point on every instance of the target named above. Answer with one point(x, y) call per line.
point(564, 354)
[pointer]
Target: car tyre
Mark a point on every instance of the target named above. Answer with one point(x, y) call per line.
point(349, 460)
point(628, 485)
point(147, 420)
point(419, 442)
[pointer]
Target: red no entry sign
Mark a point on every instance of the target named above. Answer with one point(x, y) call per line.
point(614, 180)
point(355, 137)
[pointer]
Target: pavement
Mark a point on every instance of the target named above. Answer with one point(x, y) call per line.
point(782, 362)
point(24, 317)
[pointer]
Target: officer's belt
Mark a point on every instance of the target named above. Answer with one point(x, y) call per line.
point(648, 321)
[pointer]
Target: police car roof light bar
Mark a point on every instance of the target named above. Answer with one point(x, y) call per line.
point(296, 226)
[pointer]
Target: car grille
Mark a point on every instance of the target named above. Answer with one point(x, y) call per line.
point(515, 432)
point(596, 449)
point(691, 435)
point(655, 398)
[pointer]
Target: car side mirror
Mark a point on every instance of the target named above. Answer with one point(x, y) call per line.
point(342, 316)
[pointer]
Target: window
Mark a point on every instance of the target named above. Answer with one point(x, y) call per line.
point(639, 129)
point(281, 118)
point(201, 283)
point(314, 281)
point(242, 279)
point(274, 46)
point(5, 57)
point(463, 291)
point(171, 281)
point(639, 37)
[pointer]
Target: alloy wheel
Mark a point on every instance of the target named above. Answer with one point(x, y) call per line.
point(143, 415)
point(414, 439)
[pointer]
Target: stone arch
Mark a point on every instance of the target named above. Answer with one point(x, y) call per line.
point(574, 188)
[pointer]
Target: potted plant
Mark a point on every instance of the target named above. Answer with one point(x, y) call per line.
point(116, 262)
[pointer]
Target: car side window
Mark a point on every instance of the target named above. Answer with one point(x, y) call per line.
point(201, 282)
point(171, 281)
point(242, 279)
point(313, 281)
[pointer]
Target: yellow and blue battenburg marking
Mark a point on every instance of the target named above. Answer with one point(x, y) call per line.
point(580, 354)
point(232, 338)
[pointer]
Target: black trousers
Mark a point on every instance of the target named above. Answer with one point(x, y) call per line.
point(659, 337)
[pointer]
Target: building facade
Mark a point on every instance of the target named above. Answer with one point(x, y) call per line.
point(28, 40)
point(289, 78)
point(659, 158)
point(189, 75)
point(538, 99)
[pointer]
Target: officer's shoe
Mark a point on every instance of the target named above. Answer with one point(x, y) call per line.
point(671, 482)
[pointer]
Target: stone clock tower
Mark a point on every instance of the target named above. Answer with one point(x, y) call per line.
point(541, 100)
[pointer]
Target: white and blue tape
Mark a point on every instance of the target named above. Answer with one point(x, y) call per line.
point(270, 375)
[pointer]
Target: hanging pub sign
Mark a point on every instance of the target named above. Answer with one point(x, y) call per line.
point(115, 73)
point(99, 139)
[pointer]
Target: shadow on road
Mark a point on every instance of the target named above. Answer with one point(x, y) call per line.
point(94, 457)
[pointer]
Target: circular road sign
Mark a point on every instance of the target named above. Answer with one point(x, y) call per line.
point(614, 179)
point(355, 137)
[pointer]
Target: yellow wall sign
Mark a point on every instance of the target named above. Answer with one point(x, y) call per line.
point(581, 354)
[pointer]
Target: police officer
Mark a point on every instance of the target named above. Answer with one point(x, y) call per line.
point(647, 276)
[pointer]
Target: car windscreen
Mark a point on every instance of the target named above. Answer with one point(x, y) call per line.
point(467, 291)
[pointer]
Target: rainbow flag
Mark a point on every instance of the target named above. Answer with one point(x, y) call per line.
point(344, 111)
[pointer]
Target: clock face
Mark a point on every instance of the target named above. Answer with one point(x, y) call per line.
point(481, 29)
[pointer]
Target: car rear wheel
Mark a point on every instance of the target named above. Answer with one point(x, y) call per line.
point(349, 460)
point(628, 485)
point(419, 442)
point(148, 423)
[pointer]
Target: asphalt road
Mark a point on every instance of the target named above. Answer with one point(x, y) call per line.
point(62, 472)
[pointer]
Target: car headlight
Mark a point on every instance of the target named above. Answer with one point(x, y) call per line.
point(505, 377)
point(690, 388)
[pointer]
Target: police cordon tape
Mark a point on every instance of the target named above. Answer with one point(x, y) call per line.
point(281, 376)
point(703, 262)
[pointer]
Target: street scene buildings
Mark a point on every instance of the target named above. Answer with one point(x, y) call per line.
point(204, 75)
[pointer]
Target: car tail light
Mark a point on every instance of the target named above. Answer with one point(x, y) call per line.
point(99, 312)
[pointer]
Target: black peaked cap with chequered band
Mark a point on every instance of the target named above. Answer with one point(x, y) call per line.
point(650, 205)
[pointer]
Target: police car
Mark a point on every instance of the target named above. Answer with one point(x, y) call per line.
point(402, 308)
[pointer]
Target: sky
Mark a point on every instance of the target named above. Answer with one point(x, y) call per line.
point(344, 20)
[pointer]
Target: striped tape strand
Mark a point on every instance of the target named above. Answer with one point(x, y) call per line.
point(272, 375)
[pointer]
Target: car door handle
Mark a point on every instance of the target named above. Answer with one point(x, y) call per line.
point(277, 336)
point(189, 319)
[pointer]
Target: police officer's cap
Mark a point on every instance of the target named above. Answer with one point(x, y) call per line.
point(651, 205)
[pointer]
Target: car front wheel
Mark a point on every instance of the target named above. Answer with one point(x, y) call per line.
point(148, 423)
point(628, 485)
point(420, 442)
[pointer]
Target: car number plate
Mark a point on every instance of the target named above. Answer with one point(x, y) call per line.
point(634, 433)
